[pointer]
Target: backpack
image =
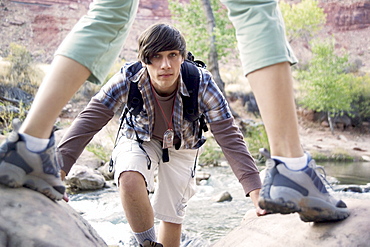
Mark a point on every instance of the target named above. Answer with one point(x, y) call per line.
point(191, 78)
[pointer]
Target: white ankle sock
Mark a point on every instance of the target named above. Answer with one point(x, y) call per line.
point(293, 163)
point(148, 234)
point(35, 144)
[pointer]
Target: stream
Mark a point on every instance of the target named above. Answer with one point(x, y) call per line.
point(207, 221)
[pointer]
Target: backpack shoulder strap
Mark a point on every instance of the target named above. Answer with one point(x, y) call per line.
point(135, 99)
point(191, 78)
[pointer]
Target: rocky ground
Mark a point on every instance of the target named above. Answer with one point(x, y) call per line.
point(316, 138)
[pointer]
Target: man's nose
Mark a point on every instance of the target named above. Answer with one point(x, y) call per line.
point(166, 63)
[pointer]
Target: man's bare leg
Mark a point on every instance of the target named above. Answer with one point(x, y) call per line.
point(169, 234)
point(135, 202)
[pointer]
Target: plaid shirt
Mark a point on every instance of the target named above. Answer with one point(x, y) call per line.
point(211, 103)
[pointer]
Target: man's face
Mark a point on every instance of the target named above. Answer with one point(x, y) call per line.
point(164, 71)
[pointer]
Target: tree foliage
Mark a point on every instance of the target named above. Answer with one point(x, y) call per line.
point(361, 97)
point(302, 20)
point(191, 20)
point(324, 86)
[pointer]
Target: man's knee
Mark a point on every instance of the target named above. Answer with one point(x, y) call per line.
point(131, 180)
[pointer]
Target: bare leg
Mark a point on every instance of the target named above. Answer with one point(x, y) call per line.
point(273, 89)
point(59, 85)
point(169, 234)
point(135, 201)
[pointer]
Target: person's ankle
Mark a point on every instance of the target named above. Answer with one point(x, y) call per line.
point(35, 144)
point(294, 164)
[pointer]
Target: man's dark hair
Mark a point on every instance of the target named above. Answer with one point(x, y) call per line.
point(160, 37)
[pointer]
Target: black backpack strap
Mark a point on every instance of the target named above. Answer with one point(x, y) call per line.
point(191, 78)
point(133, 106)
point(135, 99)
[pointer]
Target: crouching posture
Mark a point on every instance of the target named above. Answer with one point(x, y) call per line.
point(161, 131)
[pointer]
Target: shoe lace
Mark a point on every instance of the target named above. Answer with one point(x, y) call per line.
point(321, 172)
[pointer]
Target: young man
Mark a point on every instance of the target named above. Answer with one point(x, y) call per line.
point(160, 136)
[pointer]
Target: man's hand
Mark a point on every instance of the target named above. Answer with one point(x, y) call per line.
point(62, 175)
point(254, 196)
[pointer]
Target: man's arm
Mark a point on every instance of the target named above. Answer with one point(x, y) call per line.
point(90, 121)
point(231, 141)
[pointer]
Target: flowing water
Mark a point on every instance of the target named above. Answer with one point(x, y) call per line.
point(349, 173)
point(207, 221)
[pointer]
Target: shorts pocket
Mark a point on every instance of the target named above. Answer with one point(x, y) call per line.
point(188, 193)
point(124, 145)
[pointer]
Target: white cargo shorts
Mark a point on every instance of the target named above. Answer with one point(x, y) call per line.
point(175, 183)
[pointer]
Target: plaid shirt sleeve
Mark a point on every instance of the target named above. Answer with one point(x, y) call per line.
point(114, 93)
point(212, 103)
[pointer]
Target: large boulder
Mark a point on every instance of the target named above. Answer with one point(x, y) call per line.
point(30, 219)
point(288, 230)
point(84, 178)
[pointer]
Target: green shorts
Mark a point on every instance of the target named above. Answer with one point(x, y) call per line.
point(260, 32)
point(96, 40)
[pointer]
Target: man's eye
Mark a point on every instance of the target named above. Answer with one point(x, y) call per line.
point(173, 54)
point(156, 56)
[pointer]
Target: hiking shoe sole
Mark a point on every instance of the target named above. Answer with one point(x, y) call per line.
point(14, 177)
point(285, 191)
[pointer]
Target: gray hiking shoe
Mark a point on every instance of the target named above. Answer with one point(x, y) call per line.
point(285, 191)
point(38, 171)
point(148, 243)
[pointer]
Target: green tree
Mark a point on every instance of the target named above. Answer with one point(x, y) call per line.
point(192, 21)
point(302, 20)
point(361, 97)
point(325, 87)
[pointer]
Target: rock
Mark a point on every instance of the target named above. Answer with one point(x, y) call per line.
point(325, 124)
point(347, 15)
point(200, 176)
point(365, 157)
point(288, 230)
point(104, 170)
point(88, 159)
point(29, 219)
point(366, 189)
point(308, 114)
point(224, 197)
point(356, 189)
point(351, 188)
point(343, 138)
point(84, 178)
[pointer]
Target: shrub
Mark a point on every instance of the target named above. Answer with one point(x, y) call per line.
point(256, 138)
point(212, 153)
